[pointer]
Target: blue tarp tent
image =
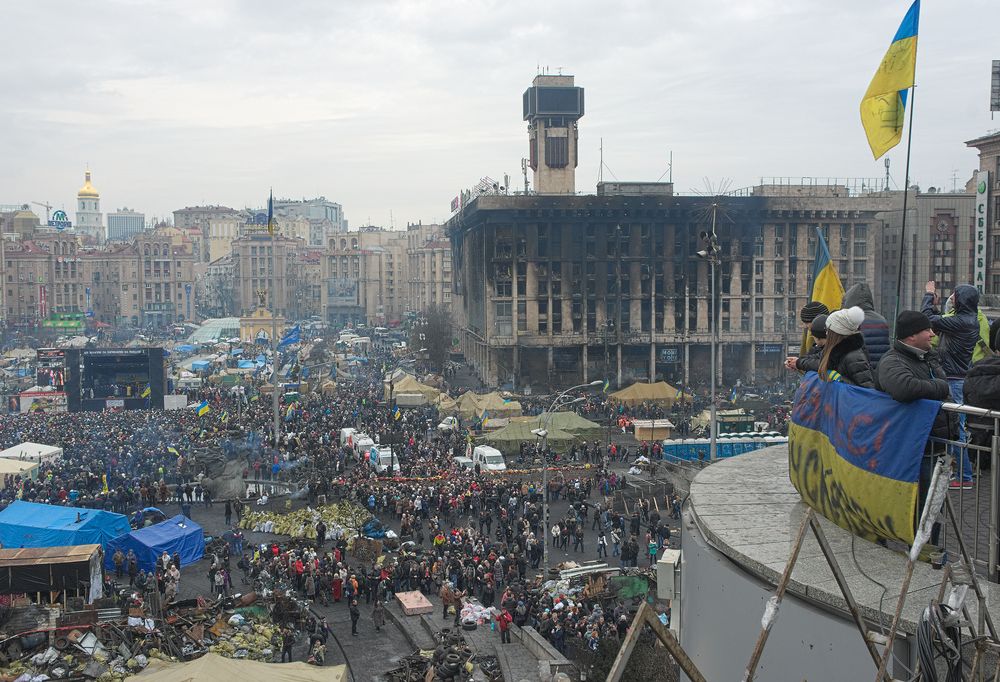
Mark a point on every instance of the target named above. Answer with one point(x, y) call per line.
point(30, 524)
point(200, 365)
point(184, 348)
point(178, 535)
point(247, 364)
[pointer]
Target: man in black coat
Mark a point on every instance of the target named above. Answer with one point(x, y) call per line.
point(911, 371)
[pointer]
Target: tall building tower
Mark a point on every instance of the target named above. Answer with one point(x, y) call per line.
point(552, 107)
point(88, 211)
point(125, 224)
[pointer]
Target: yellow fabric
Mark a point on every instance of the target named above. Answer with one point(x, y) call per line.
point(215, 667)
point(661, 393)
point(883, 106)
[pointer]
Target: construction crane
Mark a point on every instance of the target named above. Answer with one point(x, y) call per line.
point(47, 207)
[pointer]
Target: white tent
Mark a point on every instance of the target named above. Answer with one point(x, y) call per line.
point(32, 452)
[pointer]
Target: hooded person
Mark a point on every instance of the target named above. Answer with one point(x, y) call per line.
point(982, 389)
point(875, 328)
point(844, 357)
point(960, 333)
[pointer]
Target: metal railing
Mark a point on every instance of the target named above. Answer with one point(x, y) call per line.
point(977, 507)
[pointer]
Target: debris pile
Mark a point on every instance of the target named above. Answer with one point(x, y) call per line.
point(107, 645)
point(451, 659)
point(341, 518)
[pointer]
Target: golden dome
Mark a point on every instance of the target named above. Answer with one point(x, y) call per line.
point(87, 191)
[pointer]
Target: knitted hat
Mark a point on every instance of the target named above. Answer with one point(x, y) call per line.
point(846, 321)
point(811, 309)
point(910, 322)
point(818, 327)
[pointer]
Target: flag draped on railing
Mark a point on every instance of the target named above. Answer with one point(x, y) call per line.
point(854, 456)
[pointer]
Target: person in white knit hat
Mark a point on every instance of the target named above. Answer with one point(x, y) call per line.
point(844, 357)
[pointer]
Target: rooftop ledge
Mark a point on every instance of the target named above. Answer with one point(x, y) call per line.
point(746, 508)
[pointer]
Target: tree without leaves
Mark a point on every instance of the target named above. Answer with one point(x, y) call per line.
point(433, 332)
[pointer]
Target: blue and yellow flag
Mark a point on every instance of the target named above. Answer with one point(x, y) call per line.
point(224, 417)
point(203, 408)
point(884, 103)
point(397, 413)
point(826, 286)
point(854, 456)
point(607, 385)
point(146, 392)
point(270, 213)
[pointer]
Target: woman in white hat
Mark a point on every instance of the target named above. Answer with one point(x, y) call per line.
point(844, 357)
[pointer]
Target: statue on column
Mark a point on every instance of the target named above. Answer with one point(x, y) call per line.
point(262, 298)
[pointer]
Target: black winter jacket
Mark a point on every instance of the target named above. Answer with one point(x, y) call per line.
point(906, 376)
point(982, 384)
point(810, 361)
point(875, 328)
point(959, 332)
point(849, 358)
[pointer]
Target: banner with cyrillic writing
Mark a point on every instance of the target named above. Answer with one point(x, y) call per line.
point(854, 456)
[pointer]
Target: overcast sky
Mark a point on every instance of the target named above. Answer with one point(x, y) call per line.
point(390, 108)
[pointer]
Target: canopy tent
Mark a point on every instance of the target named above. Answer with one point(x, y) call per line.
point(16, 467)
point(184, 348)
point(660, 393)
point(33, 452)
point(215, 667)
point(447, 406)
point(570, 422)
point(494, 405)
point(178, 535)
point(201, 365)
point(409, 384)
point(30, 524)
point(509, 438)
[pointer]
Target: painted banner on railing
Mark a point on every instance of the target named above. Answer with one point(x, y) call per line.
point(854, 456)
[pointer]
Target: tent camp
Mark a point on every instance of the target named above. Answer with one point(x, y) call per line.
point(179, 535)
point(215, 667)
point(447, 406)
point(509, 438)
point(30, 524)
point(660, 393)
point(33, 452)
point(571, 423)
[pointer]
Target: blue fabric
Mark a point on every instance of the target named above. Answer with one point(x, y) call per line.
point(199, 365)
point(960, 454)
point(178, 535)
point(30, 524)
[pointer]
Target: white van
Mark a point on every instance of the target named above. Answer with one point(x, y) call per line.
point(362, 444)
point(463, 462)
point(488, 458)
point(346, 436)
point(381, 459)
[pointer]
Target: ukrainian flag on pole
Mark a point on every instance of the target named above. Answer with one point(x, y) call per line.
point(826, 286)
point(202, 409)
point(884, 103)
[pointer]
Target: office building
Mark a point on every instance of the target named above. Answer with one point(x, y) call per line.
point(125, 224)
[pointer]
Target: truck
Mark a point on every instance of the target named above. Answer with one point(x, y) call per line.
point(380, 458)
point(362, 444)
point(488, 458)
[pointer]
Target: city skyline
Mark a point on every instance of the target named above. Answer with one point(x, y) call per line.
point(390, 109)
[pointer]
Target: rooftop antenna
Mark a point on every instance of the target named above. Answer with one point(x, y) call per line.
point(670, 169)
point(524, 171)
point(600, 169)
point(392, 224)
point(887, 174)
point(954, 180)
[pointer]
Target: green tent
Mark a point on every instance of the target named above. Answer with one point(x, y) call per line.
point(571, 423)
point(509, 438)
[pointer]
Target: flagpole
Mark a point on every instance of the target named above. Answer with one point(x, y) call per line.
point(906, 196)
point(274, 321)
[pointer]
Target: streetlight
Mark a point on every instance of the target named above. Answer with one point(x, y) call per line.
point(711, 254)
point(543, 433)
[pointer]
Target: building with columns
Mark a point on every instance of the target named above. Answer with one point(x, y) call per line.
point(558, 290)
point(89, 221)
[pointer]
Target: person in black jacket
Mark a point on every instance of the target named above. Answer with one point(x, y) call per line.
point(959, 335)
point(982, 389)
point(810, 361)
point(875, 328)
point(911, 371)
point(844, 357)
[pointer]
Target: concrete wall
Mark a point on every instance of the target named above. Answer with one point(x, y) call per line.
point(721, 609)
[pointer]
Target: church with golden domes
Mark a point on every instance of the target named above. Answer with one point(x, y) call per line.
point(89, 221)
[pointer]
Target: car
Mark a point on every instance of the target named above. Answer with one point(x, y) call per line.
point(448, 424)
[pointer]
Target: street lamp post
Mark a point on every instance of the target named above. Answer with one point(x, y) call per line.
point(711, 254)
point(559, 402)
